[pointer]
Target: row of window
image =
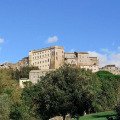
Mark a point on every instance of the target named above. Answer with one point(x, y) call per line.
point(41, 56)
point(44, 66)
point(39, 62)
point(83, 61)
point(45, 53)
point(38, 53)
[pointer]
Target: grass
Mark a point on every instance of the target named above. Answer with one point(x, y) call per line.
point(98, 116)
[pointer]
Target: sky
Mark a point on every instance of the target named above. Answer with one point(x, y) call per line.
point(79, 25)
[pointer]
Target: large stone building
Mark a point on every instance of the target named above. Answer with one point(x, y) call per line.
point(47, 58)
point(54, 57)
point(111, 68)
point(51, 58)
point(82, 60)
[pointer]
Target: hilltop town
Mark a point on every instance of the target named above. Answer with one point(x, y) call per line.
point(55, 56)
point(51, 58)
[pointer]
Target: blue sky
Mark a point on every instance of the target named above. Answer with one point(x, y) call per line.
point(78, 25)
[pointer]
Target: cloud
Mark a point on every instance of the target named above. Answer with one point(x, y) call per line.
point(1, 40)
point(102, 57)
point(107, 51)
point(52, 39)
point(107, 58)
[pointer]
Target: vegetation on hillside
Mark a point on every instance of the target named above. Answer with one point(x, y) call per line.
point(68, 90)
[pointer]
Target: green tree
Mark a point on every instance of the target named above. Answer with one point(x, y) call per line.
point(11, 104)
point(110, 91)
point(67, 90)
point(23, 72)
point(19, 111)
point(5, 104)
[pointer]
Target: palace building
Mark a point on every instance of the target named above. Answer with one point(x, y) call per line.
point(54, 57)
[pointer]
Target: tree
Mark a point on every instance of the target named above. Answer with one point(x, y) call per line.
point(5, 104)
point(11, 104)
point(19, 111)
point(118, 111)
point(23, 72)
point(68, 90)
point(110, 91)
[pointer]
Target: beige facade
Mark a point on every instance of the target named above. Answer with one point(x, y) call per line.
point(54, 57)
point(34, 75)
point(111, 68)
point(82, 60)
point(51, 58)
point(47, 58)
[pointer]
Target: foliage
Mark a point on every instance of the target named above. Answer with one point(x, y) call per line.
point(23, 72)
point(66, 90)
point(20, 111)
point(11, 105)
point(118, 111)
point(110, 90)
point(5, 105)
point(9, 86)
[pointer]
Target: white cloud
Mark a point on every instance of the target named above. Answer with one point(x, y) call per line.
point(52, 39)
point(107, 51)
point(102, 57)
point(115, 59)
point(1, 40)
point(107, 58)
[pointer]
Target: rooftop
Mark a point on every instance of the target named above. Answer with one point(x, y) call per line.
point(48, 48)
